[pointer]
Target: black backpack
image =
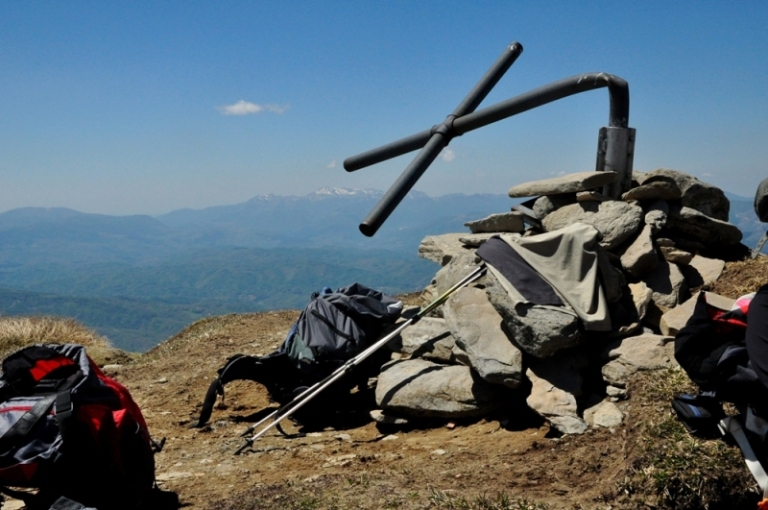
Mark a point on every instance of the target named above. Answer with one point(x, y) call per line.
point(333, 328)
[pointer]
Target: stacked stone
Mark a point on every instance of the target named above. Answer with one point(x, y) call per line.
point(479, 354)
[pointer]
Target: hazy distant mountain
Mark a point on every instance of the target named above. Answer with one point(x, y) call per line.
point(138, 279)
point(135, 278)
point(330, 217)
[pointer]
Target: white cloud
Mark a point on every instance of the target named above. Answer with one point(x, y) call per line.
point(332, 164)
point(448, 155)
point(243, 107)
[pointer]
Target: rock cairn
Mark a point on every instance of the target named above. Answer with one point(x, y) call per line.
point(666, 237)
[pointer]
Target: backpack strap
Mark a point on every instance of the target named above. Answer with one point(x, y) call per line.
point(238, 367)
point(27, 422)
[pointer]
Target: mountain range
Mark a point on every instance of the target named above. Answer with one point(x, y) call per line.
point(139, 279)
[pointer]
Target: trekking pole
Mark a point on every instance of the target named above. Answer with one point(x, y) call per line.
point(291, 407)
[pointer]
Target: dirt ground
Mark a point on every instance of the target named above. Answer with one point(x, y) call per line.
point(361, 465)
point(508, 461)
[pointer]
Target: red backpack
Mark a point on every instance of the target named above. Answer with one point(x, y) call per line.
point(69, 430)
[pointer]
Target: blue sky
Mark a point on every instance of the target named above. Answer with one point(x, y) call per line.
point(122, 107)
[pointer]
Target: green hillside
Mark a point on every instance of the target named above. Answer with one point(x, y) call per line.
point(137, 307)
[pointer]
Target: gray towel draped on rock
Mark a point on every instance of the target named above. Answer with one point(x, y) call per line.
point(567, 259)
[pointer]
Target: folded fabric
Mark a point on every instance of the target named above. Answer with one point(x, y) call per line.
point(566, 259)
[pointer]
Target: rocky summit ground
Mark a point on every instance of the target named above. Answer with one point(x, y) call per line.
point(509, 461)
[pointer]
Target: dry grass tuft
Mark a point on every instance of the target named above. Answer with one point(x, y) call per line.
point(742, 277)
point(670, 469)
point(19, 332)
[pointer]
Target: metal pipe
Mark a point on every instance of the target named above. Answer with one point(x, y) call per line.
point(441, 136)
point(468, 105)
point(618, 95)
point(402, 185)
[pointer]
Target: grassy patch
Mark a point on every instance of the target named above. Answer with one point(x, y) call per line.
point(670, 469)
point(500, 501)
point(18, 332)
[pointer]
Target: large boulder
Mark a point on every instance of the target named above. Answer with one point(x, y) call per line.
point(676, 256)
point(502, 222)
point(429, 338)
point(604, 414)
point(555, 385)
point(703, 271)
point(693, 224)
point(477, 327)
point(668, 285)
point(632, 354)
point(418, 387)
point(654, 190)
point(540, 331)
point(615, 220)
point(656, 215)
point(453, 272)
point(674, 320)
point(442, 248)
point(698, 195)
point(639, 256)
point(544, 205)
point(612, 278)
point(570, 183)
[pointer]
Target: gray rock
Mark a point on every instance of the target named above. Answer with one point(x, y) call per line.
point(674, 320)
point(419, 387)
point(616, 392)
point(563, 184)
point(656, 216)
point(654, 190)
point(639, 256)
point(474, 241)
point(691, 223)
point(615, 220)
point(546, 204)
point(430, 339)
point(460, 356)
point(632, 354)
point(555, 386)
point(605, 414)
point(672, 254)
point(612, 279)
point(668, 285)
point(591, 196)
point(502, 222)
point(698, 195)
point(538, 330)
point(442, 248)
point(477, 327)
point(663, 241)
point(452, 273)
point(641, 298)
point(703, 271)
point(633, 309)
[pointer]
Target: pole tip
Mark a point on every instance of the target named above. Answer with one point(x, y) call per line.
point(367, 230)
